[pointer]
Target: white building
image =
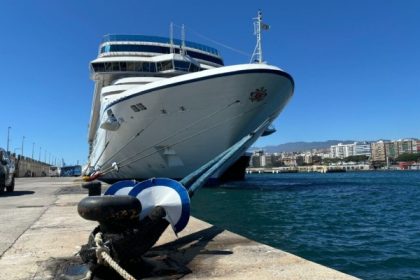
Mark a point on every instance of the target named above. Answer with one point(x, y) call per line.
point(361, 149)
point(345, 150)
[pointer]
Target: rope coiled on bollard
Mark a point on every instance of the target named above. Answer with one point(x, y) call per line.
point(102, 254)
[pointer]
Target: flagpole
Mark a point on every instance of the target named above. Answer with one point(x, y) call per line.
point(258, 26)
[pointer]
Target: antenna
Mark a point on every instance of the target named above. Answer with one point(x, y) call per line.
point(183, 39)
point(258, 26)
point(171, 37)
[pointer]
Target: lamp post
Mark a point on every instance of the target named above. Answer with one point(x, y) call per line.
point(8, 137)
point(23, 139)
point(33, 149)
point(39, 158)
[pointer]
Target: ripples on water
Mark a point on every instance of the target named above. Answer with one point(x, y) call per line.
point(366, 224)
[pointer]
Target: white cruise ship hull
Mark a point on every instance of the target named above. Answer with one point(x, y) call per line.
point(187, 120)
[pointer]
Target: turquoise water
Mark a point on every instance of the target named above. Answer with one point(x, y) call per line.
point(366, 224)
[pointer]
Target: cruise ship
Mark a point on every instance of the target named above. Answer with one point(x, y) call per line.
point(163, 107)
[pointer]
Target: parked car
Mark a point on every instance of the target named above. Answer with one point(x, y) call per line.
point(7, 172)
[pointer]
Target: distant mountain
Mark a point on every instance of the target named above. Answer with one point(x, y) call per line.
point(300, 146)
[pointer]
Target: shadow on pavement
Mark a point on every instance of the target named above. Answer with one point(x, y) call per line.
point(16, 193)
point(167, 261)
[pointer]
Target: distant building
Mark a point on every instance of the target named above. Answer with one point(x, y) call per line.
point(260, 159)
point(337, 151)
point(289, 161)
point(361, 149)
point(307, 158)
point(383, 151)
point(257, 159)
point(276, 160)
point(407, 146)
point(267, 161)
point(378, 152)
point(355, 149)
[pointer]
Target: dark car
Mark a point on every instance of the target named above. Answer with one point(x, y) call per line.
point(7, 172)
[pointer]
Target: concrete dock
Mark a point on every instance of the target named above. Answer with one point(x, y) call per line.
point(40, 233)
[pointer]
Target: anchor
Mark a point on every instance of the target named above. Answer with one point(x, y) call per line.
point(133, 215)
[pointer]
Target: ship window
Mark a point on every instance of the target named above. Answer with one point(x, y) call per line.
point(182, 65)
point(160, 49)
point(164, 65)
point(194, 68)
point(123, 66)
point(115, 66)
point(134, 48)
point(138, 67)
point(98, 67)
point(141, 106)
point(131, 66)
point(152, 67)
point(138, 107)
point(108, 67)
point(204, 57)
point(146, 67)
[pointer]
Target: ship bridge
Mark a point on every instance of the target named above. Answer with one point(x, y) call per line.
point(141, 45)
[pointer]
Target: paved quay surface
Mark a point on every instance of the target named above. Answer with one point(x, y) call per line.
point(41, 232)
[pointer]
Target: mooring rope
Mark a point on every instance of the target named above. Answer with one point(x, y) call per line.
point(102, 254)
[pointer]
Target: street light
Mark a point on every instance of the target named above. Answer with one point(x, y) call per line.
point(23, 139)
point(8, 137)
point(33, 148)
point(39, 158)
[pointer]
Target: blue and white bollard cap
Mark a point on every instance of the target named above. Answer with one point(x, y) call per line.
point(164, 192)
point(167, 193)
point(121, 187)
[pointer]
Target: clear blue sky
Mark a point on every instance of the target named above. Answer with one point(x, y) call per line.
point(356, 64)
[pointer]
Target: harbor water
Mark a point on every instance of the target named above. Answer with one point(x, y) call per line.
point(366, 224)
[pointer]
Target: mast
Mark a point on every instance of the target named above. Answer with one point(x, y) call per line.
point(183, 40)
point(258, 26)
point(171, 37)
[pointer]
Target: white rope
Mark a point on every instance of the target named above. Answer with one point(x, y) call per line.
point(102, 253)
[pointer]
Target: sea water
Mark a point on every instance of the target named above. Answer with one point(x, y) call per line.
point(366, 224)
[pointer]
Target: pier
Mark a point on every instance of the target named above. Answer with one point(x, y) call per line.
point(43, 232)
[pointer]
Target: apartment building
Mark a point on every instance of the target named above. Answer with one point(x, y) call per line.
point(354, 149)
